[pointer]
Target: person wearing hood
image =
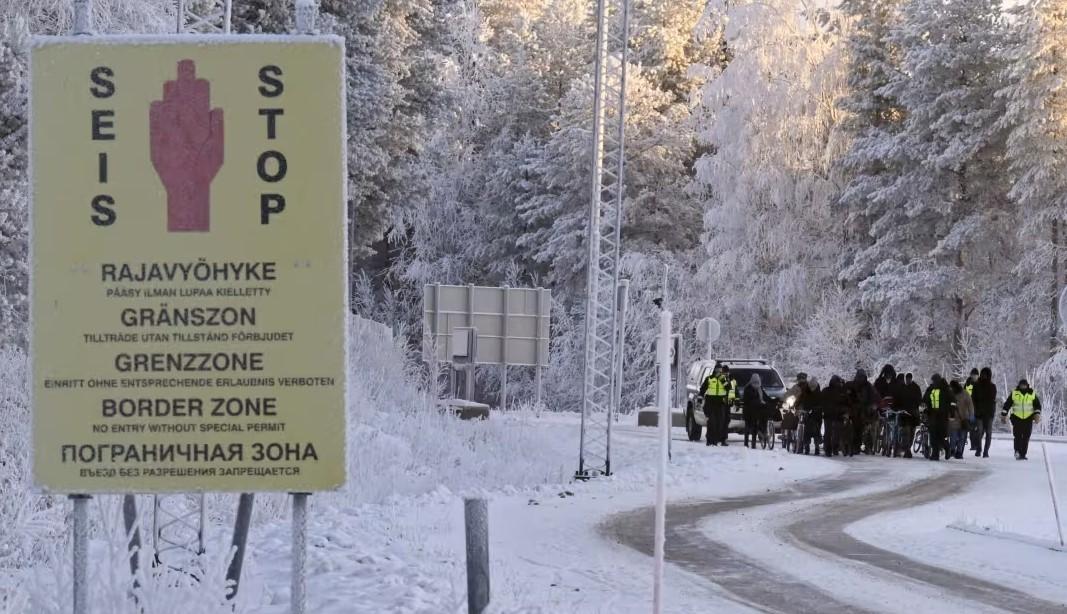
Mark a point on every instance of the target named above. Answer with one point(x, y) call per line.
point(968, 386)
point(898, 393)
point(834, 403)
point(1025, 410)
point(939, 400)
point(911, 399)
point(864, 403)
point(754, 407)
point(959, 420)
point(811, 402)
point(884, 384)
point(985, 408)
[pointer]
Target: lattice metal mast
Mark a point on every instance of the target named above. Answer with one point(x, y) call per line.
point(178, 521)
point(203, 16)
point(605, 225)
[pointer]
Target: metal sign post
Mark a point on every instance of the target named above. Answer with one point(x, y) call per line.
point(298, 585)
point(476, 523)
point(708, 331)
point(464, 358)
point(81, 553)
point(542, 324)
point(240, 541)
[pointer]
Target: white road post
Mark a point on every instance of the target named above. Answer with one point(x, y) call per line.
point(664, 360)
point(1052, 488)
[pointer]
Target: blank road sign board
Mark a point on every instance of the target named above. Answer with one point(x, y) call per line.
point(512, 323)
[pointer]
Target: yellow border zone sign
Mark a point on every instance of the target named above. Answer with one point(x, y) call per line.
point(188, 264)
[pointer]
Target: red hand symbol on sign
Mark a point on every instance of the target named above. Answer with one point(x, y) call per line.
point(187, 146)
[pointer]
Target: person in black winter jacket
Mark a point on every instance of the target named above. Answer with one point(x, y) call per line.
point(811, 403)
point(897, 391)
point(911, 397)
point(938, 400)
point(834, 403)
point(864, 403)
point(885, 381)
point(984, 396)
point(754, 408)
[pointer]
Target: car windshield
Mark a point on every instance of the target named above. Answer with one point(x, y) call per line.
point(768, 377)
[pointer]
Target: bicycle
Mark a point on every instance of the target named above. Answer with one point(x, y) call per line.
point(790, 423)
point(922, 437)
point(789, 440)
point(768, 437)
point(802, 418)
point(894, 441)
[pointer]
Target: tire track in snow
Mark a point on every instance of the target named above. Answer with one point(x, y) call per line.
point(749, 582)
point(823, 530)
point(744, 579)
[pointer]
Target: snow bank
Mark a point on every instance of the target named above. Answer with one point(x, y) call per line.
point(401, 449)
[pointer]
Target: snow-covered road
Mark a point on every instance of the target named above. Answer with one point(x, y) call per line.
point(751, 530)
point(791, 550)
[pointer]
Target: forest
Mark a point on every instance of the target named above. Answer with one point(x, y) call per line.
point(840, 185)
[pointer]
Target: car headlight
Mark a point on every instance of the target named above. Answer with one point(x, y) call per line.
point(790, 401)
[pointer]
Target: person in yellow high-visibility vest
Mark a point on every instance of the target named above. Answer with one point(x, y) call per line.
point(731, 399)
point(715, 390)
point(1025, 410)
point(938, 400)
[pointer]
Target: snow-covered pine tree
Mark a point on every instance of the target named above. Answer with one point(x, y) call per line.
point(391, 87)
point(771, 131)
point(939, 241)
point(1036, 97)
point(872, 118)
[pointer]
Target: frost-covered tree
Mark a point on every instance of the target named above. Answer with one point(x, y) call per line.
point(1035, 94)
point(937, 242)
point(14, 206)
point(391, 88)
point(873, 116)
point(772, 131)
point(657, 210)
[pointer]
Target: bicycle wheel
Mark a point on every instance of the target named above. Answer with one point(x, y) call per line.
point(799, 438)
point(917, 445)
point(770, 435)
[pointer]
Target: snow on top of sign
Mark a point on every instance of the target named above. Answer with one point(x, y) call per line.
point(197, 39)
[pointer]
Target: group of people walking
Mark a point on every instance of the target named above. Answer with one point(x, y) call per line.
point(843, 418)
